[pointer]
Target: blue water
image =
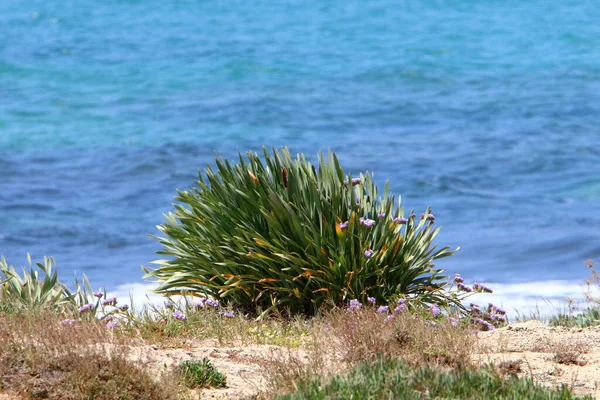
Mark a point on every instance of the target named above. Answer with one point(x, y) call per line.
point(489, 111)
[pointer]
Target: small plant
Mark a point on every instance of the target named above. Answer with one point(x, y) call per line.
point(31, 292)
point(285, 236)
point(201, 374)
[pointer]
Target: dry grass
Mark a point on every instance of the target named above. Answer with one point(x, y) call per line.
point(510, 367)
point(341, 339)
point(569, 352)
point(364, 334)
point(40, 358)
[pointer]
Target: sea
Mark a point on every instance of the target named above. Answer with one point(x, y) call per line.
point(487, 111)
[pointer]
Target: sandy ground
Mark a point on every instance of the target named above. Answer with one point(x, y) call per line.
point(242, 365)
point(551, 355)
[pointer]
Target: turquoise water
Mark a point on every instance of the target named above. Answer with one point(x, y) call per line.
point(489, 111)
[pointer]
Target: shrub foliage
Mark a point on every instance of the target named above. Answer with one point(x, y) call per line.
point(288, 236)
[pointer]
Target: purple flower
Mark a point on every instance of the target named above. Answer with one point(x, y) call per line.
point(383, 309)
point(428, 217)
point(179, 315)
point(464, 288)
point(98, 294)
point(198, 305)
point(212, 302)
point(227, 314)
point(354, 305)
point(168, 304)
point(369, 253)
point(111, 301)
point(108, 318)
point(484, 324)
point(381, 215)
point(400, 308)
point(124, 307)
point(366, 221)
point(356, 181)
point(435, 310)
point(85, 307)
point(401, 301)
point(453, 322)
point(344, 225)
point(371, 300)
point(389, 318)
point(458, 278)
point(68, 322)
point(500, 311)
point(112, 324)
point(478, 287)
point(499, 318)
point(400, 220)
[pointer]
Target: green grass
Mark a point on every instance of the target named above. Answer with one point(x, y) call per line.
point(201, 374)
point(395, 379)
point(587, 318)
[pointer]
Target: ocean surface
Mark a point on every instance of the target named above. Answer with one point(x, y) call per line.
point(488, 111)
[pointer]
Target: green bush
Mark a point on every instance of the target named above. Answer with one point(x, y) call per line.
point(395, 379)
point(287, 236)
point(201, 374)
